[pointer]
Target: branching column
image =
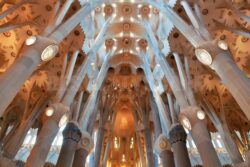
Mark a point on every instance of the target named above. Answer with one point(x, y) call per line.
point(149, 147)
point(180, 93)
point(61, 108)
point(86, 144)
point(223, 129)
point(13, 144)
point(156, 117)
point(107, 150)
point(148, 140)
point(71, 136)
point(99, 144)
point(46, 137)
point(138, 139)
point(107, 105)
point(12, 80)
point(161, 142)
point(109, 135)
point(200, 134)
point(142, 107)
point(140, 148)
point(178, 139)
point(234, 79)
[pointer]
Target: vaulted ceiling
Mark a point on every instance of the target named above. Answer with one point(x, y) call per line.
point(126, 33)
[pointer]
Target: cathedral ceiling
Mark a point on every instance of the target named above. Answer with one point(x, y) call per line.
point(127, 34)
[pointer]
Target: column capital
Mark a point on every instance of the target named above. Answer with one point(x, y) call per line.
point(211, 46)
point(59, 110)
point(177, 134)
point(191, 116)
point(40, 43)
point(207, 51)
point(72, 132)
point(162, 144)
point(86, 142)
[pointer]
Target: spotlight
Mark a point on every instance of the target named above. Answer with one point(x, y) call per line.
point(49, 52)
point(223, 45)
point(50, 111)
point(203, 56)
point(31, 40)
point(200, 115)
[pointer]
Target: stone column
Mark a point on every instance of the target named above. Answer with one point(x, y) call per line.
point(167, 158)
point(107, 150)
point(14, 143)
point(98, 147)
point(155, 116)
point(149, 147)
point(11, 147)
point(232, 77)
point(71, 136)
point(45, 138)
point(148, 139)
point(140, 149)
point(92, 119)
point(12, 80)
point(193, 118)
point(231, 147)
point(41, 149)
point(177, 139)
point(163, 148)
point(84, 147)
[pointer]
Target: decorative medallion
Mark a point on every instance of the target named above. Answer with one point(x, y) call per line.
point(108, 10)
point(126, 10)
